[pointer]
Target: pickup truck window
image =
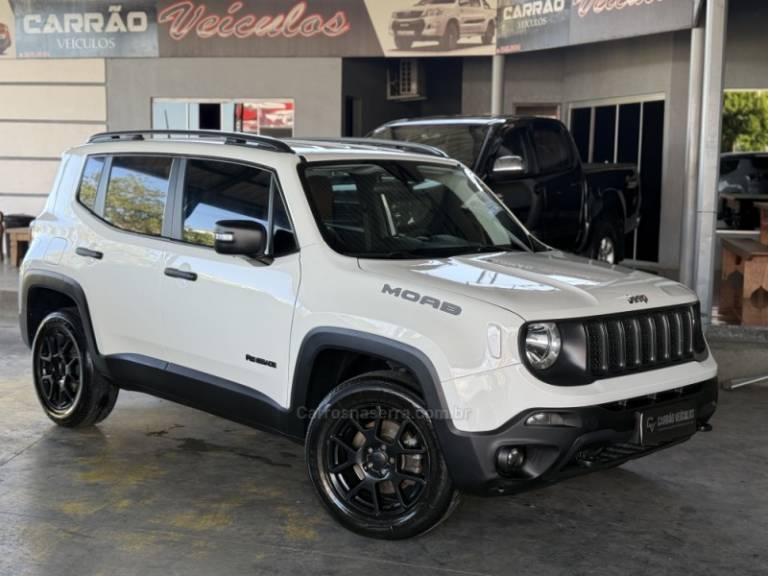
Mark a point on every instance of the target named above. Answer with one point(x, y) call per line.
point(513, 144)
point(553, 150)
point(463, 142)
point(408, 210)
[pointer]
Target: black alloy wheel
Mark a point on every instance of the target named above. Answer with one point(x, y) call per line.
point(58, 368)
point(374, 460)
point(70, 391)
point(378, 461)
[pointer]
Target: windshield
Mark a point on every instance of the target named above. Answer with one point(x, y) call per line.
point(461, 141)
point(408, 210)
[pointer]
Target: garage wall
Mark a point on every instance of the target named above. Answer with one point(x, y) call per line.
point(365, 81)
point(532, 78)
point(314, 84)
point(47, 107)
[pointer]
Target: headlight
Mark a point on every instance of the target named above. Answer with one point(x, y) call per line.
point(542, 345)
point(432, 12)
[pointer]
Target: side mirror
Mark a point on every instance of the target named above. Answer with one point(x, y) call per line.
point(240, 237)
point(509, 166)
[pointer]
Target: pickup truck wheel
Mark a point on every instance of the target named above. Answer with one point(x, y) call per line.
point(450, 36)
point(403, 43)
point(374, 460)
point(489, 33)
point(69, 389)
point(607, 242)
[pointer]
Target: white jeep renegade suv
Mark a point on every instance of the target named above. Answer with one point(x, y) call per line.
point(377, 303)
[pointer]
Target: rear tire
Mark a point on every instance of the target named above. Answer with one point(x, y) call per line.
point(374, 460)
point(69, 389)
point(607, 242)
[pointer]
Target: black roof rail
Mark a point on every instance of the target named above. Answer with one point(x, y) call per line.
point(383, 143)
point(234, 138)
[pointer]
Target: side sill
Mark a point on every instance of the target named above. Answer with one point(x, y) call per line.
point(203, 392)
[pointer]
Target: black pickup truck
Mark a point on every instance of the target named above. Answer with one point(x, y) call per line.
point(533, 165)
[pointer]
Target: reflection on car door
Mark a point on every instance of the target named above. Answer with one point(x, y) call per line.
point(123, 251)
point(231, 317)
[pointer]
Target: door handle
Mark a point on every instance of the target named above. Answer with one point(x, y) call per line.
point(88, 253)
point(181, 274)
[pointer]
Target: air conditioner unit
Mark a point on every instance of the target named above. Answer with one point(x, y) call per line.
point(405, 80)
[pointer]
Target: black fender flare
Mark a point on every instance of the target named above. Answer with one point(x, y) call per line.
point(458, 448)
point(69, 287)
point(324, 338)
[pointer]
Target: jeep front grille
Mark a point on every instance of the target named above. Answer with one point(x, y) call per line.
point(621, 344)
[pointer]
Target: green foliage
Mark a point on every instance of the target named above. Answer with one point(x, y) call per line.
point(133, 204)
point(745, 121)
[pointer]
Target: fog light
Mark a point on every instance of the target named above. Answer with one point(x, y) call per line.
point(546, 419)
point(510, 459)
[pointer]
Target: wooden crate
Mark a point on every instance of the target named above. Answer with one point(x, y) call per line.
point(744, 281)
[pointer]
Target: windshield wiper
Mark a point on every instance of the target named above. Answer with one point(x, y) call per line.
point(491, 249)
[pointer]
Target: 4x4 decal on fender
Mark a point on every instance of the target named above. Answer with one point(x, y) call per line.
point(411, 296)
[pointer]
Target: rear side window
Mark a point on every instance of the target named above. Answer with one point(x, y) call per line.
point(89, 184)
point(760, 163)
point(215, 191)
point(553, 151)
point(137, 192)
point(728, 166)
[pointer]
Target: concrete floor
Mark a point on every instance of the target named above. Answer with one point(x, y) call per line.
point(161, 489)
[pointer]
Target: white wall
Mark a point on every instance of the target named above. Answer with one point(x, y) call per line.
point(313, 83)
point(46, 107)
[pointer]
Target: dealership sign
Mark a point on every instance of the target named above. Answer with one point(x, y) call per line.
point(76, 29)
point(265, 28)
point(333, 28)
point(536, 24)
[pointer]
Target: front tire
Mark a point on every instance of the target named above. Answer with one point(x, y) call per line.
point(69, 389)
point(489, 33)
point(450, 37)
point(403, 43)
point(374, 460)
point(607, 242)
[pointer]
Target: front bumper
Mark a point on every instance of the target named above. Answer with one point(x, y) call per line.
point(602, 436)
point(418, 27)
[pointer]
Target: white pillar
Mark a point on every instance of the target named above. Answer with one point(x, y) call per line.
point(709, 152)
point(693, 140)
point(497, 85)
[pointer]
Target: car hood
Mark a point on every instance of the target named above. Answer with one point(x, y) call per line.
point(540, 286)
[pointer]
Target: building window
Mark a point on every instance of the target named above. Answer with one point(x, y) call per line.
point(628, 131)
point(265, 116)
